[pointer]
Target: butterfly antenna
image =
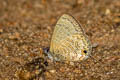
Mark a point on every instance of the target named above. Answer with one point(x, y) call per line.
point(96, 61)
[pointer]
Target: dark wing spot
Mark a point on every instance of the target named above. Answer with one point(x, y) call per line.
point(85, 51)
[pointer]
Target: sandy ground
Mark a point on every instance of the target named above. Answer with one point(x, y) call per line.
point(26, 27)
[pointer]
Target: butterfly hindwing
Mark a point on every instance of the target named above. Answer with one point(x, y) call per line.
point(68, 39)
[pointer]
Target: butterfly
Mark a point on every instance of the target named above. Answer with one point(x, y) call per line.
point(69, 41)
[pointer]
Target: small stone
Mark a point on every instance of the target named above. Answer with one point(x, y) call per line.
point(94, 45)
point(52, 71)
point(15, 36)
point(107, 11)
point(116, 20)
point(80, 1)
point(1, 30)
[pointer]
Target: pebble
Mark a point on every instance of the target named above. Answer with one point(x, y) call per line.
point(1, 30)
point(16, 35)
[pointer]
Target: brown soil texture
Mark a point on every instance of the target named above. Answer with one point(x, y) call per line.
point(26, 27)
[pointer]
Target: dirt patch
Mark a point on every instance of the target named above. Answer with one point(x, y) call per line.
point(26, 26)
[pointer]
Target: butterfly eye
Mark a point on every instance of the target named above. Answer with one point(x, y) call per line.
point(46, 50)
point(85, 51)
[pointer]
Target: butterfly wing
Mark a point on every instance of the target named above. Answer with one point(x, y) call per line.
point(68, 40)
